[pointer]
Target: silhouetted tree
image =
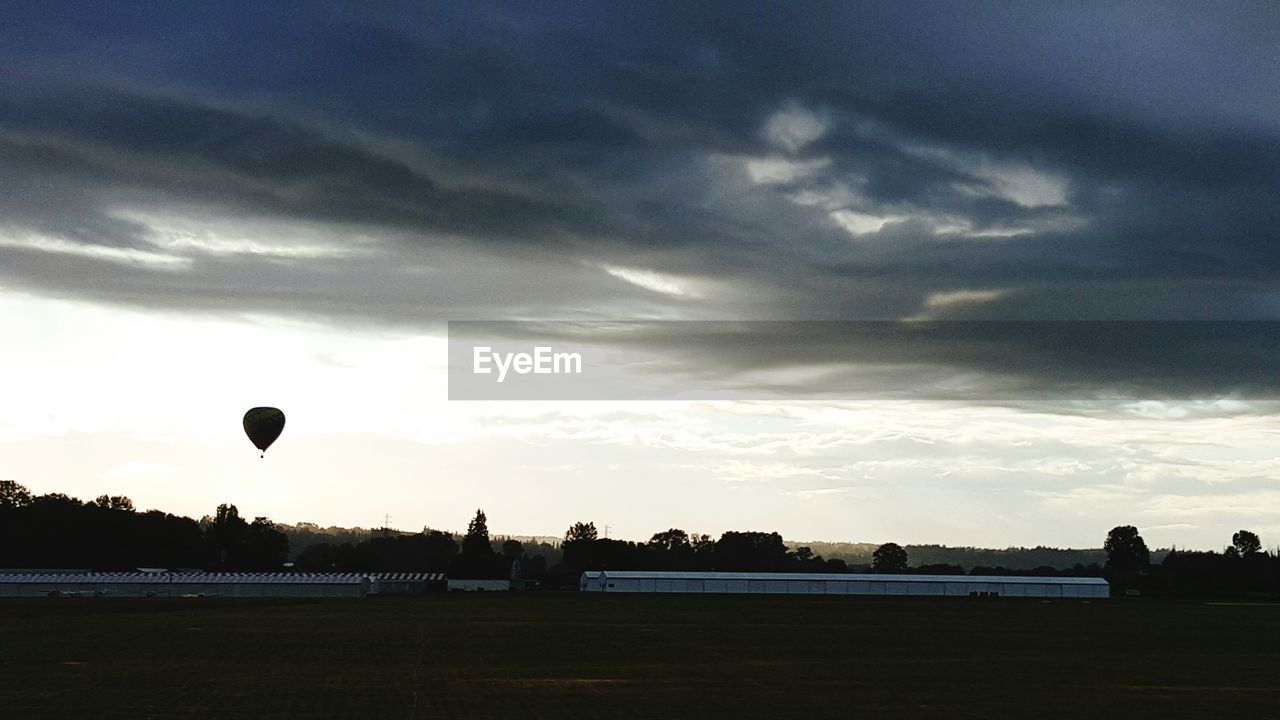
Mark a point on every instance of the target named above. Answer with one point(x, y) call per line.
point(476, 541)
point(164, 540)
point(114, 502)
point(889, 557)
point(672, 540)
point(320, 557)
point(13, 495)
point(750, 552)
point(436, 549)
point(59, 531)
point(580, 531)
point(477, 559)
point(1126, 551)
point(944, 569)
point(668, 550)
point(224, 534)
point(703, 548)
point(265, 548)
point(1189, 572)
point(429, 551)
point(600, 554)
point(834, 565)
point(1246, 543)
point(512, 548)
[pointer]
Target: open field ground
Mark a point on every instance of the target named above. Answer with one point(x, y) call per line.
point(595, 656)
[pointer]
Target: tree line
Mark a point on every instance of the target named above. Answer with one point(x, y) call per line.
point(108, 533)
point(1024, 558)
point(476, 556)
point(1242, 567)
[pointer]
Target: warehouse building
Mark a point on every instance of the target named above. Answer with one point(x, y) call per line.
point(200, 584)
point(844, 584)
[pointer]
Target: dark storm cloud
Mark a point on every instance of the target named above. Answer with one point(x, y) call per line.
point(1019, 362)
point(255, 164)
point(1086, 161)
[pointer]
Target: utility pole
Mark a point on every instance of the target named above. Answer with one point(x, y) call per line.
point(386, 524)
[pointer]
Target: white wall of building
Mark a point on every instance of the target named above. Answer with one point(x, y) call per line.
point(843, 584)
point(479, 585)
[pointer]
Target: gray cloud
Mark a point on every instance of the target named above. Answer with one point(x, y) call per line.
point(1086, 367)
point(1095, 162)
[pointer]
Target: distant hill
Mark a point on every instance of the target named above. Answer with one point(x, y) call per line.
point(1014, 558)
point(303, 535)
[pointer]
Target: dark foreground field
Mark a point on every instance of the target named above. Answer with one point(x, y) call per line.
point(575, 656)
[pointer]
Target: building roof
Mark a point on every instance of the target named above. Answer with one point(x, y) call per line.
point(407, 577)
point(844, 577)
point(161, 577)
point(187, 578)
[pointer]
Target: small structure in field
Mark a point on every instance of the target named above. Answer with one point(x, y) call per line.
point(465, 585)
point(405, 583)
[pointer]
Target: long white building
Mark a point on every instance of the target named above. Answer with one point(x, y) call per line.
point(843, 584)
point(201, 584)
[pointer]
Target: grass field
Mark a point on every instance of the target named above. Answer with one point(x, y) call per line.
point(592, 656)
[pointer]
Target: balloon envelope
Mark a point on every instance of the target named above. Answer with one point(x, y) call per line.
point(263, 425)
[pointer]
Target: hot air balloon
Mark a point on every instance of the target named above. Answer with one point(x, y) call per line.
point(263, 425)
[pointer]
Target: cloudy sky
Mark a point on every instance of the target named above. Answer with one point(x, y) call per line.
point(210, 207)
